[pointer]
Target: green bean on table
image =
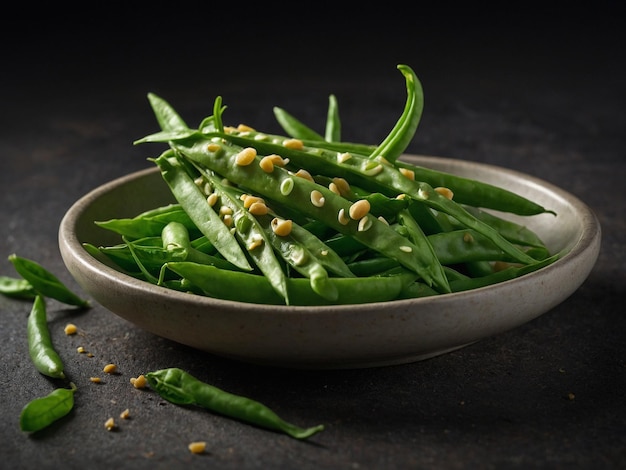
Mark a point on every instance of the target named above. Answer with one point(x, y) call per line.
point(42, 353)
point(181, 388)
point(357, 212)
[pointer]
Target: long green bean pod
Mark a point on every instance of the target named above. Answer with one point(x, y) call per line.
point(181, 388)
point(190, 197)
point(403, 132)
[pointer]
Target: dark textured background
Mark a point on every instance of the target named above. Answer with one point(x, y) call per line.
point(540, 90)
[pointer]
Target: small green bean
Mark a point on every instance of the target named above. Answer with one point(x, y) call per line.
point(41, 350)
point(181, 388)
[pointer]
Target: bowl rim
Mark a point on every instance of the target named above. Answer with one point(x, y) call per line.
point(589, 239)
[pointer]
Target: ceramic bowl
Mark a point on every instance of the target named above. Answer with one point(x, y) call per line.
point(333, 337)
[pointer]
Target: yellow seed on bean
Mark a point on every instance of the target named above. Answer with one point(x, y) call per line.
point(467, 237)
point(295, 144)
point(260, 137)
point(278, 160)
point(342, 217)
point(199, 181)
point(406, 249)
point(304, 174)
point(333, 187)
point(281, 227)
point(248, 200)
point(228, 220)
point(401, 196)
point(383, 220)
point(343, 157)
point(109, 424)
point(244, 128)
point(197, 447)
point(359, 209)
point(109, 368)
point(364, 224)
point(246, 156)
point(445, 192)
point(372, 170)
point(229, 129)
point(343, 185)
point(70, 329)
point(225, 210)
point(212, 199)
point(258, 208)
point(266, 164)
point(254, 244)
point(410, 174)
point(213, 147)
point(317, 198)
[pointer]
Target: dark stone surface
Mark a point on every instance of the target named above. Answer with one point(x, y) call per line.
point(541, 92)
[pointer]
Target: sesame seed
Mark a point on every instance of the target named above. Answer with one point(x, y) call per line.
point(406, 249)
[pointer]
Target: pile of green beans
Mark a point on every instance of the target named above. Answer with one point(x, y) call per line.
point(308, 219)
point(36, 283)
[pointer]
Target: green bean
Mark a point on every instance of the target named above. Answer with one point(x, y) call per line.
point(372, 232)
point(42, 412)
point(253, 237)
point(476, 193)
point(206, 219)
point(17, 288)
point(293, 127)
point(181, 388)
point(253, 288)
point(372, 175)
point(332, 132)
point(512, 231)
point(41, 350)
point(166, 116)
point(417, 236)
point(402, 133)
point(499, 276)
point(46, 283)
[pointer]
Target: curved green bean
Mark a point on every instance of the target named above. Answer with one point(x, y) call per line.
point(181, 388)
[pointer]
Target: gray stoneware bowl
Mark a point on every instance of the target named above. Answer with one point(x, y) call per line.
point(333, 337)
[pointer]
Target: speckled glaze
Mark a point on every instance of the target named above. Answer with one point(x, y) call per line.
point(352, 336)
